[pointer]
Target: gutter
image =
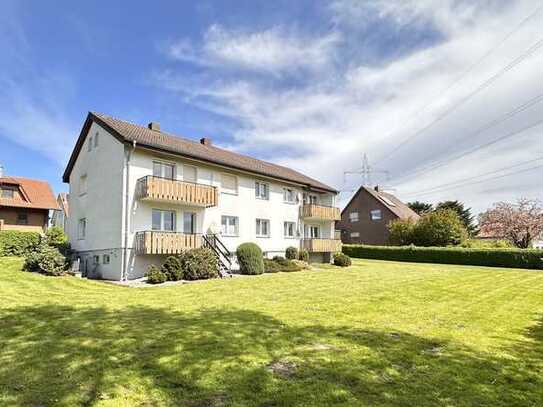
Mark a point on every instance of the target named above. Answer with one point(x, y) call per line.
point(128, 156)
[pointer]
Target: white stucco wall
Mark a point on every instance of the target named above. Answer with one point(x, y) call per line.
point(100, 205)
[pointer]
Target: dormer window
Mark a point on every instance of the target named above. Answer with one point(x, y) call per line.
point(8, 193)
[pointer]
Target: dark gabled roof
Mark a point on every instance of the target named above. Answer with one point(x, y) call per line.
point(36, 194)
point(62, 200)
point(398, 208)
point(158, 140)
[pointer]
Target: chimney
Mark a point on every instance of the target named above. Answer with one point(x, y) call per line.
point(377, 188)
point(154, 126)
point(205, 141)
point(1, 170)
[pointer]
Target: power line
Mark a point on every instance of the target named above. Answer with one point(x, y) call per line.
point(437, 188)
point(519, 109)
point(482, 181)
point(483, 86)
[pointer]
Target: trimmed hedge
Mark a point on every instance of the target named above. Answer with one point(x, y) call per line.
point(514, 258)
point(250, 259)
point(17, 243)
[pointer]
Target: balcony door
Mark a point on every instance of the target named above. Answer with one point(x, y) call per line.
point(163, 220)
point(312, 232)
point(190, 173)
point(189, 222)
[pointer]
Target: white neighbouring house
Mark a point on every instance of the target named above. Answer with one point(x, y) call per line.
point(138, 194)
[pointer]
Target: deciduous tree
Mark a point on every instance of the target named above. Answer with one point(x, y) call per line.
point(520, 223)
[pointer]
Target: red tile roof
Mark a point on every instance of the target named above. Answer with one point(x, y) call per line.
point(158, 140)
point(36, 194)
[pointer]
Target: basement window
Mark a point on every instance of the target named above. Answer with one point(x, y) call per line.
point(105, 259)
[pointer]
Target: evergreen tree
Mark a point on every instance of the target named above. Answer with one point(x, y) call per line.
point(463, 213)
point(421, 207)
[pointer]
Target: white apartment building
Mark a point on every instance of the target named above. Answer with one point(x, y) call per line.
point(137, 195)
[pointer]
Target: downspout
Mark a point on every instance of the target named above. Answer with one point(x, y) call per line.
point(128, 156)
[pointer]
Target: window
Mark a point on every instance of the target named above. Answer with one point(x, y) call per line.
point(163, 170)
point(189, 222)
point(96, 260)
point(262, 190)
point(376, 214)
point(310, 199)
point(82, 228)
point(8, 193)
point(83, 184)
point(289, 195)
point(22, 218)
point(353, 216)
point(355, 234)
point(89, 144)
point(96, 140)
point(289, 229)
point(229, 184)
point(229, 225)
point(105, 259)
point(313, 232)
point(163, 220)
point(189, 173)
point(262, 228)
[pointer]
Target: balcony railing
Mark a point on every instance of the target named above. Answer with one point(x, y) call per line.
point(169, 190)
point(312, 211)
point(322, 245)
point(155, 242)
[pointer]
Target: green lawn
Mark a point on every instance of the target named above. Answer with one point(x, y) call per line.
point(377, 333)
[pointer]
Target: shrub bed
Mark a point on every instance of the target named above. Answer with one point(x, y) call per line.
point(155, 275)
point(47, 260)
point(199, 264)
point(342, 260)
point(271, 266)
point(514, 258)
point(16, 243)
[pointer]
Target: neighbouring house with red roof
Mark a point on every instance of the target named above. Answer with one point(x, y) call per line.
point(60, 216)
point(366, 217)
point(25, 204)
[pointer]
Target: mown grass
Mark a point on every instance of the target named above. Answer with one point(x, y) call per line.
point(377, 333)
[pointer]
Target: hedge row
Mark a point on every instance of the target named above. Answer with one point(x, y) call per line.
point(514, 258)
point(16, 243)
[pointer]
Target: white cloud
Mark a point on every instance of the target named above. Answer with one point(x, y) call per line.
point(350, 107)
point(274, 50)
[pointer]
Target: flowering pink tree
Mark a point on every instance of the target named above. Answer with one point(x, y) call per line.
point(520, 223)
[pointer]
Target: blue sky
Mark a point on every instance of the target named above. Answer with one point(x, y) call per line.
point(312, 85)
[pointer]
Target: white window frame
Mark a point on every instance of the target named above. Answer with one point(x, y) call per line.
point(106, 259)
point(355, 234)
point(310, 229)
point(259, 222)
point(162, 165)
point(311, 199)
point(262, 190)
point(376, 214)
point(353, 218)
point(95, 260)
point(286, 226)
point(226, 224)
point(227, 191)
point(82, 228)
point(290, 192)
point(194, 220)
point(162, 212)
point(83, 184)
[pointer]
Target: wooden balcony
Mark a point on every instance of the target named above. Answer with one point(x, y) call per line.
point(312, 211)
point(322, 245)
point(155, 242)
point(167, 190)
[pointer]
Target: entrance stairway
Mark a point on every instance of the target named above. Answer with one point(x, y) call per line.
point(224, 257)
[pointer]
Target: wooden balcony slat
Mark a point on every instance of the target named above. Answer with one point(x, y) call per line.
point(154, 242)
point(161, 189)
point(320, 212)
point(322, 245)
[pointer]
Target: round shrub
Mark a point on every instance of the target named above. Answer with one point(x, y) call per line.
point(155, 276)
point(342, 260)
point(172, 269)
point(250, 259)
point(271, 266)
point(46, 259)
point(291, 253)
point(199, 264)
point(303, 255)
